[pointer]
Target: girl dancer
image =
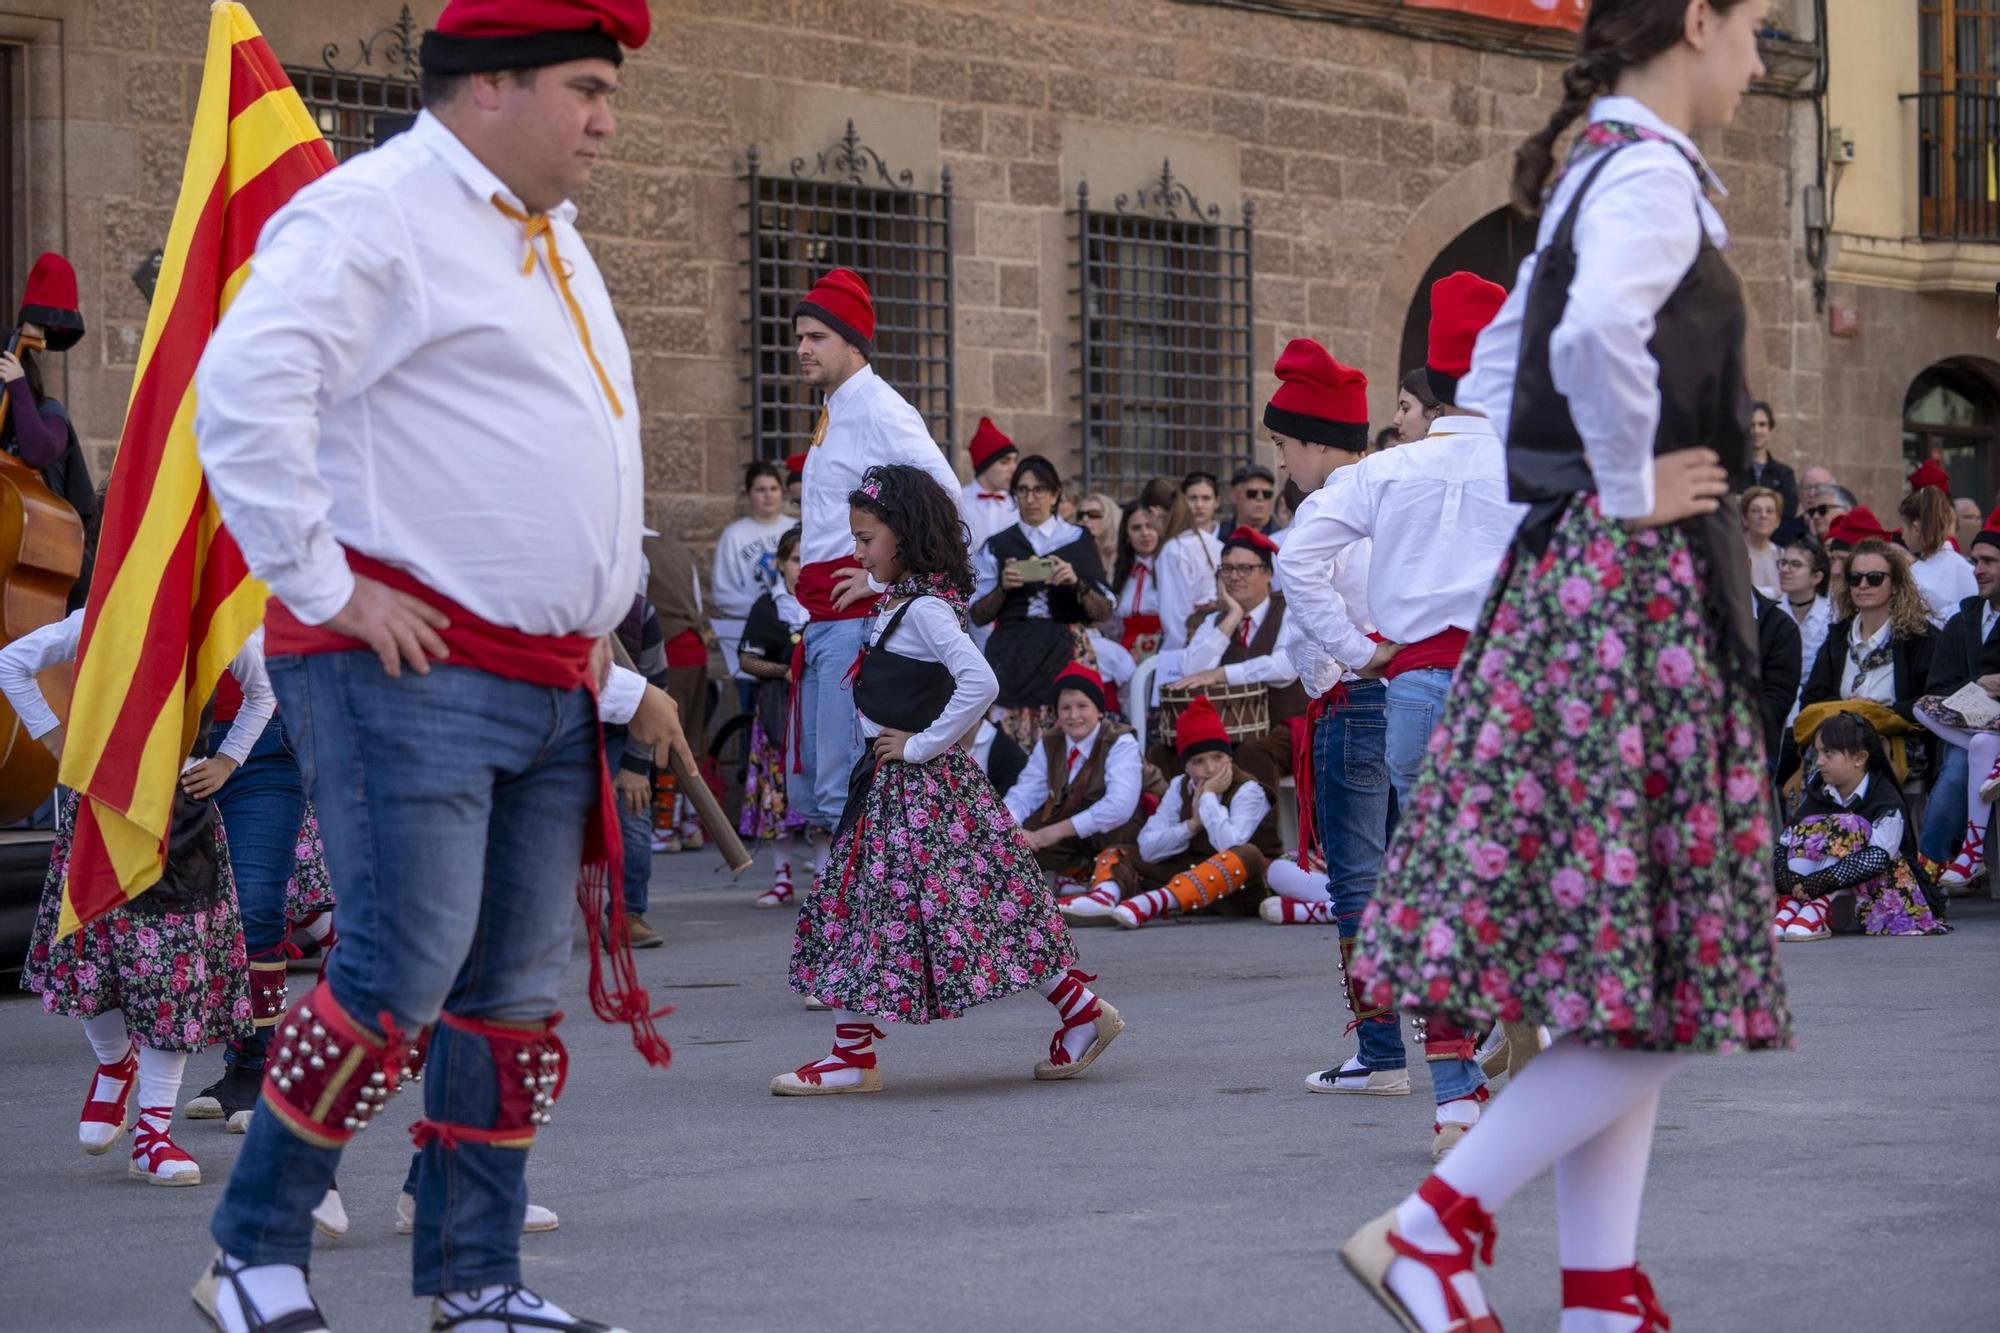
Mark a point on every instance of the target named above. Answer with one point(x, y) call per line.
point(161, 976)
point(1599, 774)
point(771, 654)
point(931, 901)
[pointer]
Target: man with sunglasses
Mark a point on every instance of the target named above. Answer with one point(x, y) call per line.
point(1253, 493)
point(1827, 505)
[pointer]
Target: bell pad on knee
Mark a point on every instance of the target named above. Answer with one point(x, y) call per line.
point(530, 1068)
point(326, 1076)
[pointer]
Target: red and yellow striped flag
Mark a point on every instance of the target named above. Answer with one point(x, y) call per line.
point(171, 600)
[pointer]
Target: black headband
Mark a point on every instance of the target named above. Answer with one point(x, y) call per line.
point(448, 53)
point(1349, 435)
point(837, 324)
point(1444, 387)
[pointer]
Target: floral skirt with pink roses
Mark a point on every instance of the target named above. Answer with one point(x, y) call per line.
point(1589, 845)
point(181, 977)
point(930, 904)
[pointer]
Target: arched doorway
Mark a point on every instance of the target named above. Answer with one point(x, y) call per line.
point(1952, 413)
point(1492, 247)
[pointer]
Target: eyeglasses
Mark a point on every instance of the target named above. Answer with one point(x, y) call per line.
point(1792, 562)
point(1874, 578)
point(1031, 489)
point(1264, 493)
point(1240, 568)
point(1092, 515)
point(1821, 511)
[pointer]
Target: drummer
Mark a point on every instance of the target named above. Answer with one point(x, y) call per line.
point(1247, 640)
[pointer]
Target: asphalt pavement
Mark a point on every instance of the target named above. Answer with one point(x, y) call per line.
point(1187, 1182)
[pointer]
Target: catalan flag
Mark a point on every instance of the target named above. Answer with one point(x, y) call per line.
point(171, 600)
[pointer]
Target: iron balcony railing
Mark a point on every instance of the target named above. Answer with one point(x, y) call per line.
point(1958, 165)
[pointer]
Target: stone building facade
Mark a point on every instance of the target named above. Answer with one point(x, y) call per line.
point(1368, 143)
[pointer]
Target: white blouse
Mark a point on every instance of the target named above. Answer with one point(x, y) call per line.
point(1186, 570)
point(1141, 593)
point(1945, 579)
point(931, 633)
point(1166, 834)
point(1878, 685)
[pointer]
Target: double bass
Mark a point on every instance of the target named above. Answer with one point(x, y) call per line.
point(41, 554)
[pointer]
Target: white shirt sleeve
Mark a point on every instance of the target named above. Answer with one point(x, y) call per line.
point(258, 701)
point(1121, 791)
point(1325, 639)
point(904, 438)
point(30, 655)
point(332, 304)
point(985, 572)
point(618, 699)
point(1228, 825)
point(1165, 834)
point(1637, 235)
point(1887, 833)
point(1030, 790)
point(935, 625)
point(1205, 649)
point(1181, 589)
point(1113, 662)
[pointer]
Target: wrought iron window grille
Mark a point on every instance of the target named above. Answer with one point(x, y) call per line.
point(845, 208)
point(356, 102)
point(1164, 335)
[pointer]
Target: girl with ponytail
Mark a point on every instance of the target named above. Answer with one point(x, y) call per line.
point(1589, 846)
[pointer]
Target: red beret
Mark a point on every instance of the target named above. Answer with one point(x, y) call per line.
point(988, 444)
point(1462, 304)
point(477, 35)
point(1081, 678)
point(796, 465)
point(1249, 539)
point(1990, 534)
point(1318, 399)
point(1855, 526)
point(1928, 473)
point(840, 300)
point(50, 301)
point(1199, 729)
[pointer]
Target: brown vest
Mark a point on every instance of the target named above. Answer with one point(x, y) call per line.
point(1067, 794)
point(1286, 701)
point(1264, 839)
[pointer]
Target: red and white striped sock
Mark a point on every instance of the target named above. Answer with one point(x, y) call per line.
point(1145, 906)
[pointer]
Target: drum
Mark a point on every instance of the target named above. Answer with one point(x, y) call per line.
point(1245, 710)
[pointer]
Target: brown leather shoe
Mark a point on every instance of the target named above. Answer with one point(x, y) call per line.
point(641, 935)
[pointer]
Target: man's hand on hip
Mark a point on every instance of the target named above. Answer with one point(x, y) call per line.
point(398, 627)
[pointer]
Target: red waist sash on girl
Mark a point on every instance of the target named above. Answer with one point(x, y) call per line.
point(553, 661)
point(816, 591)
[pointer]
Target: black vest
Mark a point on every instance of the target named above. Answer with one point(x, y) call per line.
point(891, 690)
point(1283, 701)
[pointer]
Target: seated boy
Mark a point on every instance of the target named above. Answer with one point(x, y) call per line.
point(1079, 793)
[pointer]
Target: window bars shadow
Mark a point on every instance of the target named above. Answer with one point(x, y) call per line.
point(846, 209)
point(1164, 336)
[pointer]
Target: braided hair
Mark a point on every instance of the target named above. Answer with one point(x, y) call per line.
point(1617, 35)
point(930, 536)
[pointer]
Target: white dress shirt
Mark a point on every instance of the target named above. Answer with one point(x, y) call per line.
point(1048, 537)
point(1204, 651)
point(1141, 593)
point(931, 633)
point(1113, 663)
point(390, 380)
point(53, 645)
point(1166, 834)
point(1186, 570)
point(1945, 579)
point(1637, 236)
point(985, 515)
point(868, 423)
point(1437, 512)
point(1326, 588)
point(1879, 684)
point(1121, 784)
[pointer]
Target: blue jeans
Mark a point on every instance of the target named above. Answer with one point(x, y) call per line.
point(453, 807)
point(1416, 704)
point(261, 806)
point(636, 831)
point(1351, 810)
point(831, 731)
point(1944, 816)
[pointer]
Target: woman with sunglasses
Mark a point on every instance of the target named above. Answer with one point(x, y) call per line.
point(1876, 660)
point(1098, 515)
point(1040, 585)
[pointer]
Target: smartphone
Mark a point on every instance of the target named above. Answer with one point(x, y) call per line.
point(1035, 569)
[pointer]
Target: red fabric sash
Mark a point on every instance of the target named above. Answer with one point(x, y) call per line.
point(554, 662)
point(815, 591)
point(795, 706)
point(228, 699)
point(687, 650)
point(1440, 651)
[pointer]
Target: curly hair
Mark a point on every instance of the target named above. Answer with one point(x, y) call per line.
point(1909, 614)
point(930, 536)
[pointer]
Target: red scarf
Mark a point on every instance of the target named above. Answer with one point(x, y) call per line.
point(562, 662)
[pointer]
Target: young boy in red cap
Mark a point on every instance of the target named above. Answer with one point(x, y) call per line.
point(989, 501)
point(1080, 793)
point(1437, 515)
point(375, 413)
point(864, 423)
point(1215, 830)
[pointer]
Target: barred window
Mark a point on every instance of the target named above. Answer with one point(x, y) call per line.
point(846, 210)
point(1164, 337)
point(357, 110)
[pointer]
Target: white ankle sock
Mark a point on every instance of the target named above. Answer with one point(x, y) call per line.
point(781, 866)
point(1288, 880)
point(110, 1039)
point(522, 1301)
point(160, 1076)
point(273, 1289)
point(821, 846)
point(320, 926)
point(1077, 1040)
point(1463, 1111)
point(853, 1039)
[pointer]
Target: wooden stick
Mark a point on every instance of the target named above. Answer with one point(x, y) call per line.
point(709, 811)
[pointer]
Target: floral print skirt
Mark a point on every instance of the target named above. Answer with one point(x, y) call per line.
point(1892, 904)
point(764, 811)
point(1589, 844)
point(310, 888)
point(181, 978)
point(930, 904)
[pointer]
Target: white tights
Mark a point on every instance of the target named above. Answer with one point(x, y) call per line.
point(1589, 1113)
point(1981, 748)
point(1288, 880)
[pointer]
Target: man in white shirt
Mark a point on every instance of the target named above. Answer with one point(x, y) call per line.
point(375, 414)
point(865, 422)
point(988, 503)
point(1437, 513)
point(1079, 793)
point(1250, 642)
